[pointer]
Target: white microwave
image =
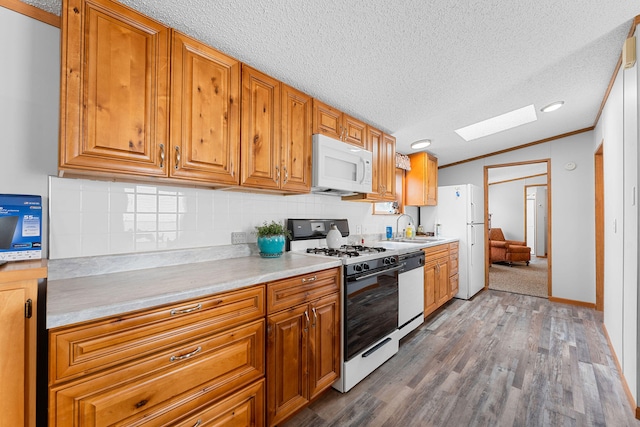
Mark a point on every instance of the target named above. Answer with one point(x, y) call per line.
point(340, 168)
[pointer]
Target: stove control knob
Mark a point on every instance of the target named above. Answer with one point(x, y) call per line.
point(386, 261)
point(357, 267)
point(365, 266)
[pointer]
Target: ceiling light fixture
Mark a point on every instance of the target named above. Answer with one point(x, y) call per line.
point(423, 143)
point(552, 107)
point(499, 123)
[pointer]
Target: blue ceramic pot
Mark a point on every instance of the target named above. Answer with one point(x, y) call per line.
point(271, 247)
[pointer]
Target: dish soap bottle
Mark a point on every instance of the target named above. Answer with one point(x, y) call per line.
point(409, 231)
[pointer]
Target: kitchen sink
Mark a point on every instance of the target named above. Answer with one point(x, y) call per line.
point(397, 245)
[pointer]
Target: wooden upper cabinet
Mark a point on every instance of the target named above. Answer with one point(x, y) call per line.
point(387, 168)
point(205, 113)
point(336, 124)
point(114, 90)
point(421, 182)
point(383, 149)
point(297, 109)
point(260, 138)
point(354, 131)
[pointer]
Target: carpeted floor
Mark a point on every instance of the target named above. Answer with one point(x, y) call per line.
point(521, 279)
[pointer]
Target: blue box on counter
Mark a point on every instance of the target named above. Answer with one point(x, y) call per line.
point(20, 227)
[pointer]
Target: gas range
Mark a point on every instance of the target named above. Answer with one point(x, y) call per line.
point(309, 237)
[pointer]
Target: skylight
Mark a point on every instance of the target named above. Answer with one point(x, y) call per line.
point(499, 123)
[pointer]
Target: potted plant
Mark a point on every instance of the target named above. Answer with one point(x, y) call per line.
point(271, 239)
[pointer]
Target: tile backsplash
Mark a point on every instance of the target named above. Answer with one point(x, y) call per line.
point(94, 218)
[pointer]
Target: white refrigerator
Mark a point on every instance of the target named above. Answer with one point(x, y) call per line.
point(460, 213)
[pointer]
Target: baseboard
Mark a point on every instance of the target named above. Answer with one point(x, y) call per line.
point(573, 302)
point(627, 390)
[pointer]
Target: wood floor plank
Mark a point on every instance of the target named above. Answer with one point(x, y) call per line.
point(499, 359)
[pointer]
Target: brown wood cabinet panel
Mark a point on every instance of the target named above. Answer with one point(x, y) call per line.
point(18, 343)
point(304, 288)
point(387, 167)
point(260, 136)
point(287, 362)
point(354, 132)
point(157, 385)
point(421, 182)
point(454, 285)
point(114, 90)
point(205, 113)
point(438, 278)
point(297, 110)
point(430, 287)
point(324, 343)
point(88, 348)
point(327, 120)
point(243, 409)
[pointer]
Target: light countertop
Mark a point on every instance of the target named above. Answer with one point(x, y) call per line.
point(80, 299)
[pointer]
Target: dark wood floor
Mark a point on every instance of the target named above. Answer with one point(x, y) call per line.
point(501, 359)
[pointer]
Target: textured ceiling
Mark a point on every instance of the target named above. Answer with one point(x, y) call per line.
point(420, 69)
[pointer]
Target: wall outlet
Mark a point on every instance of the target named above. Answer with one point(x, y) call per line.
point(358, 229)
point(238, 237)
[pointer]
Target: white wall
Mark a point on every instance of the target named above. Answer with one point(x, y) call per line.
point(29, 98)
point(572, 208)
point(617, 130)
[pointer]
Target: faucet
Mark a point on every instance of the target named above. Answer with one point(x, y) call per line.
point(398, 223)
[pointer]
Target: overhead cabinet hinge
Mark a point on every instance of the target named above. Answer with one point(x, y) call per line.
point(28, 308)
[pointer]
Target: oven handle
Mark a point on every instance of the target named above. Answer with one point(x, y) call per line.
point(377, 273)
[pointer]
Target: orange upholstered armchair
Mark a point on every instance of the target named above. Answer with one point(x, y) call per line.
point(508, 251)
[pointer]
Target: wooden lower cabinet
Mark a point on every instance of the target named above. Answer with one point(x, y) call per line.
point(440, 276)
point(18, 308)
point(208, 367)
point(303, 344)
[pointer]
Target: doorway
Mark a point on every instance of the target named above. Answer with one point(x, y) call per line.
point(518, 201)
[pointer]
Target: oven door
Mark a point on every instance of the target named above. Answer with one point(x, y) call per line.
point(371, 309)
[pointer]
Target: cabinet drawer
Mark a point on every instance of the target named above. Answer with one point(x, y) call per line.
point(300, 289)
point(453, 263)
point(98, 345)
point(244, 408)
point(438, 251)
point(173, 380)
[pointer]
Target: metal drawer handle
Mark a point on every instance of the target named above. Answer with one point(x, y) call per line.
point(197, 423)
point(186, 356)
point(306, 314)
point(315, 317)
point(177, 166)
point(186, 310)
point(309, 279)
point(161, 156)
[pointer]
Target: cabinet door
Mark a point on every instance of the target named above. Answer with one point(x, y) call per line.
point(205, 113)
point(114, 90)
point(387, 166)
point(415, 181)
point(260, 130)
point(297, 112)
point(324, 343)
point(354, 132)
point(453, 284)
point(443, 285)
point(430, 286)
point(287, 362)
point(432, 181)
point(374, 142)
point(17, 370)
point(327, 120)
